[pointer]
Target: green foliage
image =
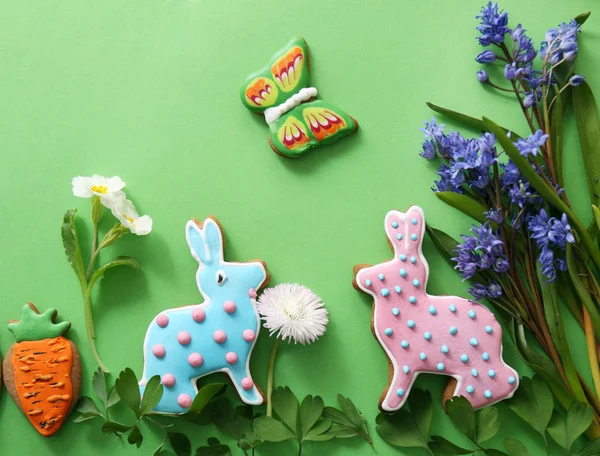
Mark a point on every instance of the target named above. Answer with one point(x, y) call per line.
point(465, 204)
point(126, 391)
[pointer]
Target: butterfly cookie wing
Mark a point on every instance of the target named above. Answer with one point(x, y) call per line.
point(309, 125)
point(284, 75)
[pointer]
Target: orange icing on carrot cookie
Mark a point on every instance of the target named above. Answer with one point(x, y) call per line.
point(42, 377)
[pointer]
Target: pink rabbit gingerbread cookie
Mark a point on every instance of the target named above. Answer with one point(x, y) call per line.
point(421, 333)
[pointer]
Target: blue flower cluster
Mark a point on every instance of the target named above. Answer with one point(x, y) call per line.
point(482, 251)
point(551, 236)
point(559, 45)
point(467, 167)
point(469, 160)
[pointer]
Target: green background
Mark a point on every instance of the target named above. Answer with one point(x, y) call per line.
point(149, 91)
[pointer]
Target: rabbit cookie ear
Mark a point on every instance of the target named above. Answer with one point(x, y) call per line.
point(405, 229)
point(205, 240)
point(213, 237)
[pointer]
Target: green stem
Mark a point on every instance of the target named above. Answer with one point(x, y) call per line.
point(299, 444)
point(270, 375)
point(89, 324)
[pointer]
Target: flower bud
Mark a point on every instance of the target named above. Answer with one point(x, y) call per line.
point(576, 80)
point(486, 57)
point(529, 100)
point(97, 209)
point(482, 76)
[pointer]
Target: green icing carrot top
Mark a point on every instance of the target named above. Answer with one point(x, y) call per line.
point(36, 326)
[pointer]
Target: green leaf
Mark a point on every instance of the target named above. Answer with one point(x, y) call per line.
point(533, 403)
point(272, 430)
point(110, 427)
point(87, 416)
point(557, 428)
point(71, 244)
point(129, 391)
point(476, 124)
point(554, 321)
point(556, 135)
point(205, 394)
point(318, 432)
point(87, 405)
point(441, 446)
point(285, 405)
point(343, 432)
point(582, 291)
point(152, 395)
point(590, 449)
point(581, 18)
point(119, 261)
point(113, 398)
point(493, 452)
point(310, 411)
point(180, 444)
point(540, 364)
point(464, 203)
point(400, 430)
point(461, 412)
point(336, 416)
point(596, 212)
point(515, 448)
point(588, 126)
point(214, 448)
point(579, 418)
point(350, 411)
point(135, 437)
point(488, 424)
point(421, 408)
point(99, 386)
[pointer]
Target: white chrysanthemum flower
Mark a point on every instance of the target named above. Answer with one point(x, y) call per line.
point(293, 310)
point(107, 188)
point(125, 212)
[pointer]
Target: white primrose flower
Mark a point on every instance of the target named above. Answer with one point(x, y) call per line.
point(107, 188)
point(294, 311)
point(125, 212)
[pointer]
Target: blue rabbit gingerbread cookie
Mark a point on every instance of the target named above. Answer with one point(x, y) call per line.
point(186, 343)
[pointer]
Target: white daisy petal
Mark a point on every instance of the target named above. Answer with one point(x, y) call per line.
point(293, 312)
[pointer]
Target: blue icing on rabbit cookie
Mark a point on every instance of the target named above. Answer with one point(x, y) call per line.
point(183, 344)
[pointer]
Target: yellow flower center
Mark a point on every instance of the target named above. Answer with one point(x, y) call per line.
point(99, 189)
point(129, 219)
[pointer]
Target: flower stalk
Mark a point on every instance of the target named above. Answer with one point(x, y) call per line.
point(104, 192)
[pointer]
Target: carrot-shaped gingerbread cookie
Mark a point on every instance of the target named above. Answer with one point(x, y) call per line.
point(42, 371)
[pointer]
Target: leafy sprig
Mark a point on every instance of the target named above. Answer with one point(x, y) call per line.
point(533, 403)
point(126, 391)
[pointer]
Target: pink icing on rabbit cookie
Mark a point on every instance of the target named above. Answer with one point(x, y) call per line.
point(435, 334)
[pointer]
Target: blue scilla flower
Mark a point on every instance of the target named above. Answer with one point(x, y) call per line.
point(428, 149)
point(523, 50)
point(480, 251)
point(576, 80)
point(486, 56)
point(529, 100)
point(493, 25)
point(531, 144)
point(478, 291)
point(482, 76)
point(560, 43)
point(494, 290)
point(448, 181)
point(551, 236)
point(494, 215)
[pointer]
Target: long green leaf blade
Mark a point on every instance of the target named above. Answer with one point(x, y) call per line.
point(556, 135)
point(554, 321)
point(582, 291)
point(463, 203)
point(588, 126)
point(476, 124)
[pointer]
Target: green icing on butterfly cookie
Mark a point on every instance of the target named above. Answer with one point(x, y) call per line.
point(36, 326)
